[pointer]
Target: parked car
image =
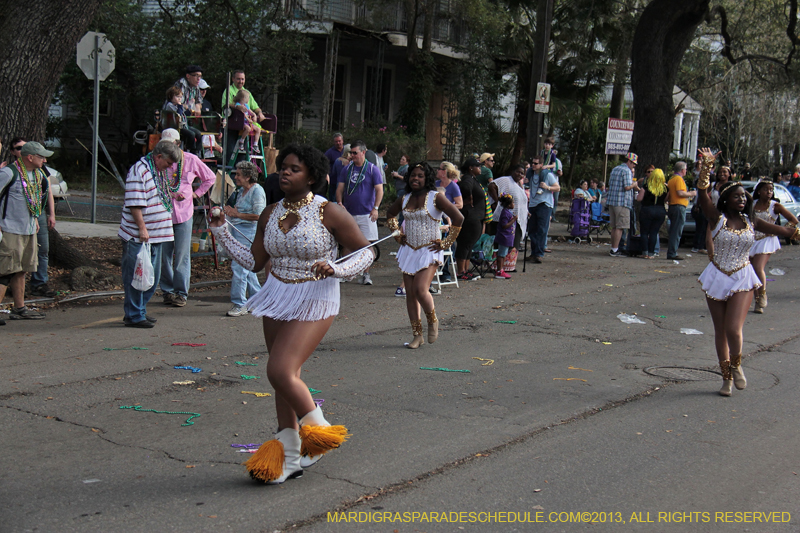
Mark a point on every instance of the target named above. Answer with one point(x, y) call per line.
point(781, 194)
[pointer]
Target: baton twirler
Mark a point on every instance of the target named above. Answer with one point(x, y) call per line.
point(395, 233)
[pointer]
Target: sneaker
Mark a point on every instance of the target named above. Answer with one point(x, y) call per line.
point(656, 254)
point(366, 280)
point(617, 253)
point(127, 321)
point(169, 298)
point(25, 313)
point(464, 276)
point(400, 292)
point(178, 300)
point(675, 258)
point(237, 311)
point(695, 250)
point(434, 291)
point(446, 279)
point(473, 277)
point(143, 324)
point(502, 275)
point(42, 290)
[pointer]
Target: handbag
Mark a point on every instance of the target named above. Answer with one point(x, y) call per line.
point(143, 273)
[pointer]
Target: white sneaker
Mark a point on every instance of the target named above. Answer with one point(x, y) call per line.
point(237, 311)
point(695, 250)
point(366, 280)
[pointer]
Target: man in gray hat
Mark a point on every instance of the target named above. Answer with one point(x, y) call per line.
point(20, 207)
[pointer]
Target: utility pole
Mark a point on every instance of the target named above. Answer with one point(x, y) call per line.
point(541, 51)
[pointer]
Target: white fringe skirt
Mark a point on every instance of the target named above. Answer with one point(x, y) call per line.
point(308, 301)
point(719, 286)
point(412, 261)
point(767, 245)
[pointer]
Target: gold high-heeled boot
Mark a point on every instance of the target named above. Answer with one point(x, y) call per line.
point(760, 300)
point(433, 326)
point(727, 378)
point(416, 330)
point(736, 371)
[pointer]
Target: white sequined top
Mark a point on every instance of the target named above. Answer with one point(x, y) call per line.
point(422, 224)
point(295, 251)
point(769, 216)
point(732, 246)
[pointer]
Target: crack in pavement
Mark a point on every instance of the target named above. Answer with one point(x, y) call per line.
point(409, 484)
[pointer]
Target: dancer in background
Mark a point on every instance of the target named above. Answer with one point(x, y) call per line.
point(421, 247)
point(728, 281)
point(298, 302)
point(766, 208)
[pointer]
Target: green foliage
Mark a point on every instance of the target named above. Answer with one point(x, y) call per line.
point(152, 52)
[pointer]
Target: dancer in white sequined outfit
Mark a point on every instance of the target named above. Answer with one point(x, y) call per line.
point(298, 303)
point(766, 208)
point(729, 279)
point(421, 245)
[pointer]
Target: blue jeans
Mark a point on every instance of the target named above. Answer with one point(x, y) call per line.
point(244, 281)
point(538, 226)
point(39, 277)
point(135, 305)
point(701, 225)
point(177, 253)
point(677, 218)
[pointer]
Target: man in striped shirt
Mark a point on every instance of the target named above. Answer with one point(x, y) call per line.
point(146, 218)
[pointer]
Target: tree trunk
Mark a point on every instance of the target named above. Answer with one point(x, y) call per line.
point(664, 33)
point(37, 37)
point(541, 52)
point(63, 255)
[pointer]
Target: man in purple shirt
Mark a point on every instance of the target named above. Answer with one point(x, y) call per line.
point(335, 151)
point(360, 191)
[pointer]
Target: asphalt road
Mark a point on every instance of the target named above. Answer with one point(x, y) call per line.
point(578, 413)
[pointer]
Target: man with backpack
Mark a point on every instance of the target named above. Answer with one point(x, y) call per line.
point(20, 207)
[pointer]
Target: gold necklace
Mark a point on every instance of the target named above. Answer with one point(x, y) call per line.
point(294, 207)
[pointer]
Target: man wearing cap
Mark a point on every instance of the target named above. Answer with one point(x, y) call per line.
point(146, 219)
point(20, 206)
point(678, 202)
point(621, 187)
point(487, 163)
point(230, 93)
point(540, 207)
point(190, 87)
point(176, 265)
point(206, 109)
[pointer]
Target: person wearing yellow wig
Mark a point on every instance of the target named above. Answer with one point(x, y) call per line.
point(653, 213)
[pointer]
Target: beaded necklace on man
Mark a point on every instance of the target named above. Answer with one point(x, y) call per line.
point(165, 188)
point(351, 187)
point(32, 189)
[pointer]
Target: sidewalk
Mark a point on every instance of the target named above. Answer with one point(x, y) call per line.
point(86, 229)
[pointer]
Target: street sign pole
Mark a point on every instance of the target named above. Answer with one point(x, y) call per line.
point(96, 122)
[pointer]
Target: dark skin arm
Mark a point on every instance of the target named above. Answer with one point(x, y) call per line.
point(395, 208)
point(493, 192)
point(344, 229)
point(708, 207)
point(772, 229)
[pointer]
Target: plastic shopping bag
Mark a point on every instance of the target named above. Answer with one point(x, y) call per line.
point(143, 274)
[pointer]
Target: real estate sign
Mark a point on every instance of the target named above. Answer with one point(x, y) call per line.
point(618, 136)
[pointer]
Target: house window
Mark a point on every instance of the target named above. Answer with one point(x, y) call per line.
point(378, 93)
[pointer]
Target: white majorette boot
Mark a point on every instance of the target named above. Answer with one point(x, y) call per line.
point(278, 459)
point(317, 436)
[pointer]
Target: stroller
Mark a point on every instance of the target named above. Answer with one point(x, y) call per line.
point(481, 256)
point(580, 220)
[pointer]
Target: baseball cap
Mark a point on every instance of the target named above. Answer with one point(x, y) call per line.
point(34, 148)
point(170, 134)
point(485, 156)
point(204, 84)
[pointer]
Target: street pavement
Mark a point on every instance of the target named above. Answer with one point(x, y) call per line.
point(578, 413)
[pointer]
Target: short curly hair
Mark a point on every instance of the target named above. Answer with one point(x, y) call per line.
point(430, 175)
point(314, 160)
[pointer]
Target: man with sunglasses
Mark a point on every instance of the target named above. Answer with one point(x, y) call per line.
point(20, 206)
point(190, 87)
point(487, 163)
